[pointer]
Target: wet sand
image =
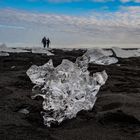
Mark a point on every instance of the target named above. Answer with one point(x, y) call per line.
point(115, 116)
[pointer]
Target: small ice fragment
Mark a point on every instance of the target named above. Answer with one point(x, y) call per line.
point(118, 65)
point(13, 67)
point(24, 111)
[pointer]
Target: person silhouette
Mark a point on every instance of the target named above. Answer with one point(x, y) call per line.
point(44, 41)
point(48, 42)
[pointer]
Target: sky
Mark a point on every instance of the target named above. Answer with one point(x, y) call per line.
point(70, 23)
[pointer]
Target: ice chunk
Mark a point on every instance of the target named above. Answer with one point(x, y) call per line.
point(106, 52)
point(39, 74)
point(100, 56)
point(24, 111)
point(82, 62)
point(66, 89)
point(13, 67)
point(41, 51)
point(126, 53)
point(4, 48)
point(16, 50)
point(4, 54)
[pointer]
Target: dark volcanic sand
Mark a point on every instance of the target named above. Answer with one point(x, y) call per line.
point(115, 116)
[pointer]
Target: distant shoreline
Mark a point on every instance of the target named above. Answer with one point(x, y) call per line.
point(77, 46)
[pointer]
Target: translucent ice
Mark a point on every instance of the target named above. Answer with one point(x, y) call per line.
point(4, 54)
point(122, 53)
point(41, 51)
point(66, 89)
point(5, 49)
point(100, 56)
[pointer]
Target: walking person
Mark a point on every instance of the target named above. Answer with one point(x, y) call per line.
point(48, 42)
point(44, 41)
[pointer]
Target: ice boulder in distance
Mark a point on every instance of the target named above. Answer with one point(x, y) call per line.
point(122, 53)
point(41, 51)
point(4, 54)
point(3, 46)
point(100, 57)
point(66, 89)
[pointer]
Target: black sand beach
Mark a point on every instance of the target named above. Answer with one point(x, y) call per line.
point(115, 116)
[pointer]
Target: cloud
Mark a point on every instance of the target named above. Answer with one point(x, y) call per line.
point(12, 27)
point(56, 1)
point(124, 1)
point(67, 1)
point(118, 27)
point(61, 1)
point(127, 16)
point(102, 0)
